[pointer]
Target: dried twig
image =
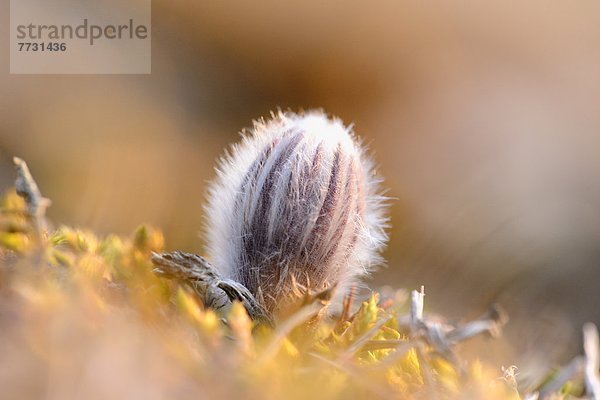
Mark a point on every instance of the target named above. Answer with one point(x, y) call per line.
point(416, 308)
point(441, 338)
point(592, 362)
point(29, 191)
point(491, 323)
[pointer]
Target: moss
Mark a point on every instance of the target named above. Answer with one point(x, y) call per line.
point(76, 298)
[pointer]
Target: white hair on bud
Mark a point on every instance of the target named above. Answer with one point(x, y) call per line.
point(297, 201)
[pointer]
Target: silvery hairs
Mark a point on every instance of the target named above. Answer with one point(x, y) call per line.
point(295, 204)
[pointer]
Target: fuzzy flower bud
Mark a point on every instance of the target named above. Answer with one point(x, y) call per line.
point(296, 202)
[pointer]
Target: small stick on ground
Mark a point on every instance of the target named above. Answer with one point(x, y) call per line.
point(416, 309)
point(29, 191)
point(592, 361)
point(440, 338)
point(491, 323)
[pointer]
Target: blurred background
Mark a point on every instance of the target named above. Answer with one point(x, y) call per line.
point(483, 119)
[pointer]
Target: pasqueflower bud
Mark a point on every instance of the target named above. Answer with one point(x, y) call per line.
point(295, 203)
